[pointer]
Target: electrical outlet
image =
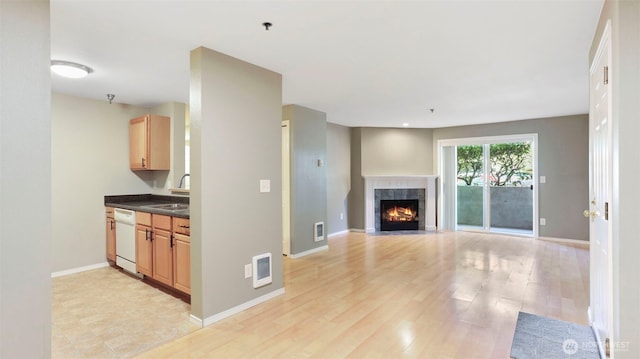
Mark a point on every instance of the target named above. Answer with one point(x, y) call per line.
point(247, 270)
point(543, 221)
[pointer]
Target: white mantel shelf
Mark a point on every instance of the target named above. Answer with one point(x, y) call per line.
point(427, 182)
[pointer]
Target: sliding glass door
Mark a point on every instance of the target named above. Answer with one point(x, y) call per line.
point(494, 184)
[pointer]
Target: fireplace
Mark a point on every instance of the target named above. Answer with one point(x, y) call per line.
point(399, 215)
point(409, 214)
point(379, 188)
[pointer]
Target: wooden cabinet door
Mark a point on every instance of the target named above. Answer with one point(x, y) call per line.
point(182, 263)
point(111, 239)
point(162, 256)
point(144, 250)
point(138, 143)
point(150, 143)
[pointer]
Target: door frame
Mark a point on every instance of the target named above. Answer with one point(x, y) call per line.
point(447, 185)
point(609, 330)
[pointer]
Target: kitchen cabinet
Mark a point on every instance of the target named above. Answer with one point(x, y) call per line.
point(182, 255)
point(162, 249)
point(149, 143)
point(111, 235)
point(144, 244)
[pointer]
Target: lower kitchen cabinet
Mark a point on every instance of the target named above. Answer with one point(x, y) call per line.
point(144, 250)
point(163, 256)
point(182, 263)
point(111, 235)
point(163, 250)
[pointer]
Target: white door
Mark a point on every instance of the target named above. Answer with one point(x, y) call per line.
point(286, 209)
point(600, 231)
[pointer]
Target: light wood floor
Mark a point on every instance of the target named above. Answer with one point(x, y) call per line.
point(446, 295)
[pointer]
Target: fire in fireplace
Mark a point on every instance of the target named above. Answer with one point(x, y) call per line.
point(399, 215)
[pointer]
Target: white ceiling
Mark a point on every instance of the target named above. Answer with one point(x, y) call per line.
point(364, 63)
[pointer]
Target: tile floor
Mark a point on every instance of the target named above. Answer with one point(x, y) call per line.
point(105, 313)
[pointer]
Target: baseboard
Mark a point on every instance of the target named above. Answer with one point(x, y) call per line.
point(195, 320)
point(79, 269)
point(565, 240)
point(237, 309)
point(337, 234)
point(310, 251)
point(357, 230)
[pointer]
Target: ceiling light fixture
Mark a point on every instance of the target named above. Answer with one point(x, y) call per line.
point(405, 125)
point(70, 69)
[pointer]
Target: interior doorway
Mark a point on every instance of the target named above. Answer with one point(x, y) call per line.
point(489, 184)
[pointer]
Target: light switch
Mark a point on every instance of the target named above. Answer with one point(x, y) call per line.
point(543, 179)
point(265, 185)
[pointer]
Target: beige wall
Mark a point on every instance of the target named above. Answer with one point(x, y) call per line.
point(25, 180)
point(90, 154)
point(397, 151)
point(177, 112)
point(236, 115)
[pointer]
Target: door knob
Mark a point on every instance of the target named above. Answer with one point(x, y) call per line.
point(590, 214)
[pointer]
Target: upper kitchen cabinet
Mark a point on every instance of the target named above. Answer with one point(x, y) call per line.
point(149, 143)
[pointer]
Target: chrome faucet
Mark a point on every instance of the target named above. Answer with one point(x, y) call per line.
point(182, 179)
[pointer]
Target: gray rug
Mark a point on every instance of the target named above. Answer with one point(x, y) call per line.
point(540, 337)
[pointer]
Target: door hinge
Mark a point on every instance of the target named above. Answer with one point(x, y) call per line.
point(606, 211)
point(607, 348)
point(606, 75)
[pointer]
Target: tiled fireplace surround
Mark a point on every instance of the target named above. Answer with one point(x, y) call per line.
point(400, 187)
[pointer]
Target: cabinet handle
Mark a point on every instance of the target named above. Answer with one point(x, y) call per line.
point(183, 226)
point(111, 224)
point(143, 162)
point(151, 235)
point(146, 234)
point(171, 241)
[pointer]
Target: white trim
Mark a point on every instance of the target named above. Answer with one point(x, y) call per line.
point(195, 320)
point(239, 308)
point(310, 251)
point(79, 269)
point(564, 240)
point(336, 234)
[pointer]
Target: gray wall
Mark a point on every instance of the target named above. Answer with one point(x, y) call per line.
point(25, 180)
point(563, 157)
point(356, 194)
point(338, 177)
point(625, 80)
point(308, 181)
point(236, 114)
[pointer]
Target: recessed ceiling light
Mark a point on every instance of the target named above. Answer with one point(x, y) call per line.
point(70, 69)
point(405, 125)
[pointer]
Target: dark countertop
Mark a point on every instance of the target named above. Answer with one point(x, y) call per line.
point(140, 202)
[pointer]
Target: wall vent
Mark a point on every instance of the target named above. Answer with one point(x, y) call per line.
point(318, 231)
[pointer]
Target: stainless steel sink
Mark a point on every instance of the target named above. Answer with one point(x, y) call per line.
point(170, 206)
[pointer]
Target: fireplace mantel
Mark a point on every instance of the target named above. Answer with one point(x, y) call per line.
point(371, 183)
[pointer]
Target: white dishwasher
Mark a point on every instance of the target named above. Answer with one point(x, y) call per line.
point(125, 239)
